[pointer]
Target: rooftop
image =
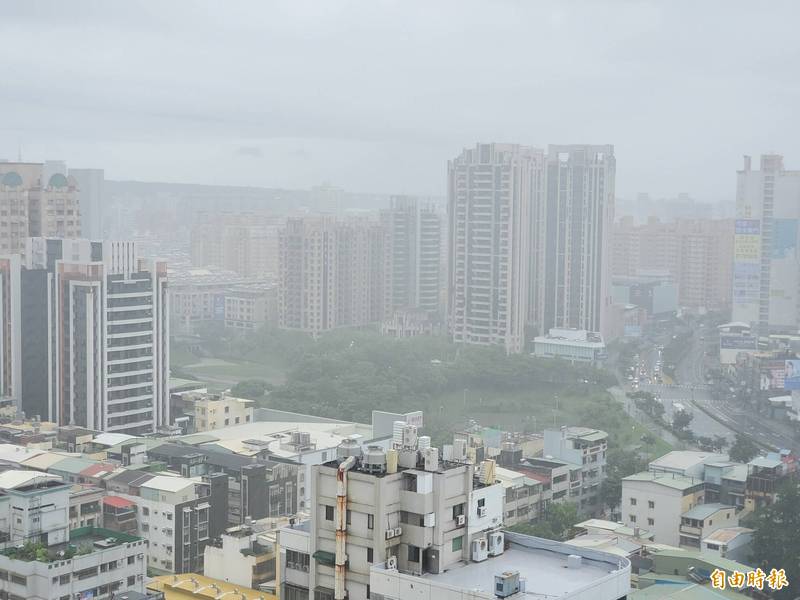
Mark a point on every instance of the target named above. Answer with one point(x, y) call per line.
point(117, 502)
point(670, 480)
point(166, 483)
point(726, 534)
point(703, 511)
point(84, 540)
point(686, 459)
point(542, 563)
point(765, 463)
point(111, 439)
point(17, 479)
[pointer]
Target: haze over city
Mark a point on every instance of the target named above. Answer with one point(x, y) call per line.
point(377, 300)
point(374, 97)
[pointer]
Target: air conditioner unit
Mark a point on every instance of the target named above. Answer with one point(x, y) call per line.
point(461, 520)
point(305, 568)
point(391, 562)
point(398, 531)
point(496, 543)
point(389, 533)
point(482, 511)
point(480, 551)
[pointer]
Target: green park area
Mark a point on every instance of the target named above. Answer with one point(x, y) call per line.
point(346, 374)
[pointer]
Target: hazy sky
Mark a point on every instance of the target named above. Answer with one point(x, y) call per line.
point(376, 96)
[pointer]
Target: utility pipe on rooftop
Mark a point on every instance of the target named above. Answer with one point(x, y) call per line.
point(339, 592)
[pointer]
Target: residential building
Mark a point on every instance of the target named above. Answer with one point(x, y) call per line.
point(244, 555)
point(192, 586)
point(523, 497)
point(91, 194)
point(215, 411)
point(245, 243)
point(95, 334)
point(766, 265)
point(403, 505)
point(574, 345)
point(561, 481)
point(689, 463)
point(85, 506)
point(657, 502)
point(248, 308)
point(10, 334)
point(294, 547)
point(570, 281)
point(179, 516)
point(120, 514)
point(91, 563)
point(697, 255)
point(36, 200)
point(34, 507)
point(585, 447)
point(414, 240)
point(733, 543)
point(331, 273)
point(491, 193)
point(702, 520)
point(529, 568)
point(257, 487)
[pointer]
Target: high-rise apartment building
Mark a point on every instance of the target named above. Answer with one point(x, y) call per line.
point(91, 192)
point(10, 341)
point(414, 246)
point(331, 273)
point(571, 239)
point(245, 243)
point(697, 255)
point(490, 192)
point(94, 333)
point(766, 265)
point(36, 199)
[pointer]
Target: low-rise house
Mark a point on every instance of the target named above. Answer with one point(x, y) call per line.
point(85, 507)
point(244, 555)
point(702, 520)
point(656, 502)
point(585, 447)
point(729, 542)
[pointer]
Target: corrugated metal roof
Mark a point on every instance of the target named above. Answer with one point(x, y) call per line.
point(72, 465)
point(13, 479)
point(703, 511)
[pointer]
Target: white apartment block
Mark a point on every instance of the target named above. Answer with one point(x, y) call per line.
point(656, 502)
point(490, 190)
point(44, 560)
point(215, 411)
point(766, 268)
point(587, 448)
point(405, 506)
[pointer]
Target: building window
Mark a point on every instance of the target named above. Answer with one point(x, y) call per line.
point(328, 513)
point(632, 518)
point(347, 516)
point(370, 521)
point(458, 510)
point(651, 504)
point(651, 521)
point(633, 501)
point(413, 554)
point(369, 555)
point(458, 543)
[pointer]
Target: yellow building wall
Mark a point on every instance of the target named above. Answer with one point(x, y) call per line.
point(191, 586)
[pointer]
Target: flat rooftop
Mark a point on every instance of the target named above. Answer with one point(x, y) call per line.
point(541, 563)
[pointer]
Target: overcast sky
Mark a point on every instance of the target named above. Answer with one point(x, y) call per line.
point(376, 96)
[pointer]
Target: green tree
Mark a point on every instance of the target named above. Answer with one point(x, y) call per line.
point(744, 449)
point(776, 543)
point(620, 464)
point(557, 524)
point(681, 420)
point(252, 389)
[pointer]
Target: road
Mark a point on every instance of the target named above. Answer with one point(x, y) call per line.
point(729, 415)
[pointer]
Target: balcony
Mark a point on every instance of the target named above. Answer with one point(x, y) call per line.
point(417, 502)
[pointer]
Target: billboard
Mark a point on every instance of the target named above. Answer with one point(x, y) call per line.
point(792, 379)
point(784, 238)
point(746, 269)
point(737, 342)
